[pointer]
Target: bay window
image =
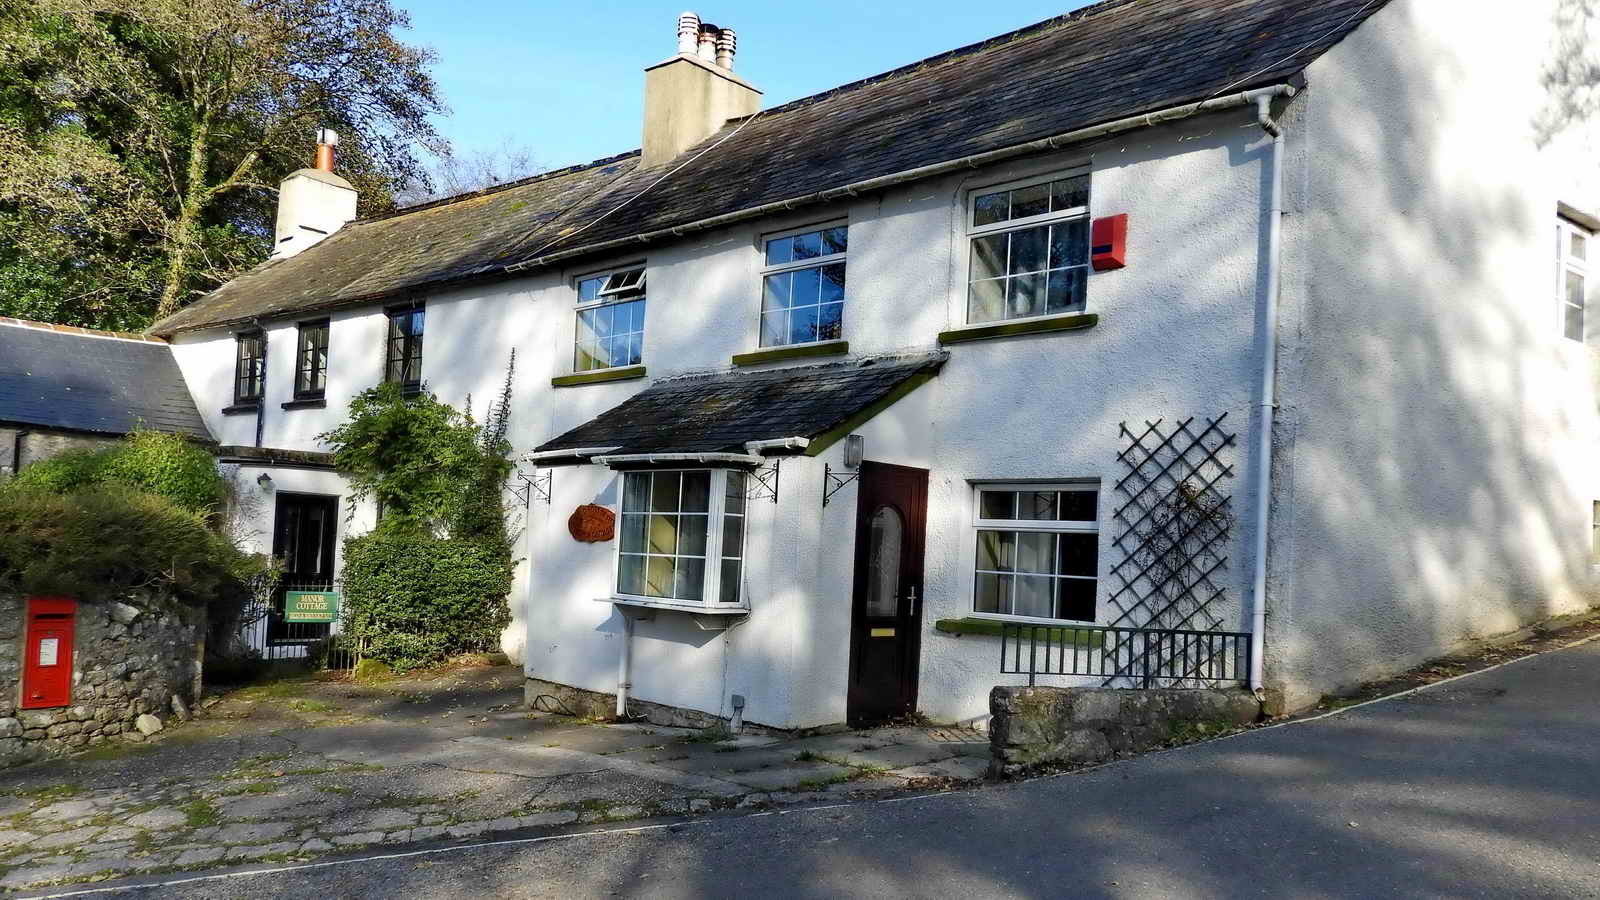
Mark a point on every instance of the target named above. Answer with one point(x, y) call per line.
point(1038, 551)
point(682, 536)
point(1029, 250)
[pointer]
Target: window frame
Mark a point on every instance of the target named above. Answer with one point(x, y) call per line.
point(793, 265)
point(606, 295)
point(301, 357)
point(971, 232)
point(408, 344)
point(716, 510)
point(257, 337)
point(976, 523)
point(1567, 265)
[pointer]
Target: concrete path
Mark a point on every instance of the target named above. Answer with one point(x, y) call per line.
point(1488, 786)
point(294, 771)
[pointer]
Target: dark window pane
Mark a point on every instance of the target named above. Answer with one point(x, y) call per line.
point(830, 322)
point(1079, 555)
point(731, 584)
point(1070, 193)
point(1029, 250)
point(986, 301)
point(988, 257)
point(633, 526)
point(1033, 595)
point(1080, 506)
point(780, 250)
point(991, 208)
point(696, 491)
point(1036, 505)
point(1574, 323)
point(636, 492)
point(733, 500)
point(1067, 290)
point(664, 492)
point(1030, 201)
point(803, 325)
point(836, 240)
point(732, 535)
point(630, 575)
point(807, 285)
point(691, 580)
point(997, 550)
point(833, 283)
point(1075, 599)
point(808, 245)
point(1026, 296)
point(692, 535)
point(997, 505)
point(992, 594)
point(1069, 244)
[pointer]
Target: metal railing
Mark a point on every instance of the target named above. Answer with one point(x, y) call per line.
point(316, 645)
point(1140, 657)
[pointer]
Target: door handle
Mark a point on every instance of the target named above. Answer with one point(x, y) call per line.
point(911, 595)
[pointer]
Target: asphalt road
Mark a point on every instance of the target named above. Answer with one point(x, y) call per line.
point(1487, 786)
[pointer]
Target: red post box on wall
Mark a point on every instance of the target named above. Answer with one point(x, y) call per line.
point(47, 660)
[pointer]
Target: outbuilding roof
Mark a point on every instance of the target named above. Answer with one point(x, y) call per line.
point(1102, 63)
point(74, 379)
point(720, 413)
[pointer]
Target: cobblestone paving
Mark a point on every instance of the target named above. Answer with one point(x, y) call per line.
point(299, 771)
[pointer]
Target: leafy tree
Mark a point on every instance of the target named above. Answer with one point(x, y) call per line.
point(145, 139)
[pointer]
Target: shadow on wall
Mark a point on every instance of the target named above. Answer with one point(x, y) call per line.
point(1437, 433)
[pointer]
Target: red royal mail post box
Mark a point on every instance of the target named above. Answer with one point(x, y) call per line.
point(47, 660)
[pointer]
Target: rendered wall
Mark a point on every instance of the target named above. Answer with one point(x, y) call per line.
point(1438, 436)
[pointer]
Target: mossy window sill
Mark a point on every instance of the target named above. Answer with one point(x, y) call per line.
point(241, 409)
point(1075, 322)
point(625, 373)
point(993, 628)
point(793, 351)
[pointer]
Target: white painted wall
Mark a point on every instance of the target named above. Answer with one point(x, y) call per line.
point(1438, 436)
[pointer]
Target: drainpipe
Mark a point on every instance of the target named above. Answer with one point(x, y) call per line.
point(1269, 387)
point(16, 451)
point(625, 666)
point(261, 407)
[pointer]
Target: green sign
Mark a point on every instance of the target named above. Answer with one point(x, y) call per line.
point(310, 606)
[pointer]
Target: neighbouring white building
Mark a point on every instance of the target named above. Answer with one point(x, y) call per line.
point(1014, 336)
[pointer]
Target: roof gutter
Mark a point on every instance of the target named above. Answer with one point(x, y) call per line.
point(1054, 142)
point(651, 459)
point(777, 446)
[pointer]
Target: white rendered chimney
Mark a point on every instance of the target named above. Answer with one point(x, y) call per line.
point(312, 203)
point(690, 96)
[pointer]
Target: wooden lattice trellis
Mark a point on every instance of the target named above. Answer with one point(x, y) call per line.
point(1174, 520)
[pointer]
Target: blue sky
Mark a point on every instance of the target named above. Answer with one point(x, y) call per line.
point(565, 79)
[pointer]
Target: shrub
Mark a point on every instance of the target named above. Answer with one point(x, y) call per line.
point(167, 465)
point(414, 600)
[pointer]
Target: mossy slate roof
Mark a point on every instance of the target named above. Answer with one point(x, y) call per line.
point(1104, 62)
point(77, 380)
point(720, 412)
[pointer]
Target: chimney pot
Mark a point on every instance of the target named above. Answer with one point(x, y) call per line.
point(708, 42)
point(688, 33)
point(727, 45)
point(327, 139)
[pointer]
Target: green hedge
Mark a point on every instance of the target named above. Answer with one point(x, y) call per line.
point(163, 464)
point(414, 600)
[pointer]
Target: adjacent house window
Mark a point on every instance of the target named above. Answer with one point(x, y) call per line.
point(802, 287)
point(1038, 551)
point(682, 536)
point(1572, 276)
point(311, 361)
point(250, 368)
point(404, 359)
point(610, 321)
point(1030, 250)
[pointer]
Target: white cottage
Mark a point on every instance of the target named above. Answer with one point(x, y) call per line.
point(1167, 341)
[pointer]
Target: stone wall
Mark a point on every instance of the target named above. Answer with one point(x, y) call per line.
point(43, 443)
point(549, 696)
point(1036, 726)
point(136, 663)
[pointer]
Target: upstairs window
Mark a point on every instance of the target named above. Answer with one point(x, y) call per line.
point(1038, 554)
point(404, 358)
point(802, 287)
point(311, 361)
point(1572, 277)
point(682, 536)
point(1030, 250)
point(250, 368)
point(610, 321)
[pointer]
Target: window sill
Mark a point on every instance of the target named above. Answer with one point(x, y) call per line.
point(239, 409)
point(306, 403)
point(1084, 637)
point(792, 351)
point(1074, 322)
point(706, 618)
point(625, 373)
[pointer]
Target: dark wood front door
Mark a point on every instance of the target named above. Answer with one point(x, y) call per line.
point(302, 538)
point(886, 609)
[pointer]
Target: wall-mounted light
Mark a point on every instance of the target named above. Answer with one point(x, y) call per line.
point(264, 480)
point(855, 450)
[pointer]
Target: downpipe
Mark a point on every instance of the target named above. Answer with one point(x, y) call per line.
point(625, 667)
point(1268, 402)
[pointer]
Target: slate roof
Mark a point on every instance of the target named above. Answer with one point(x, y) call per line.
point(1107, 61)
point(78, 380)
point(719, 413)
